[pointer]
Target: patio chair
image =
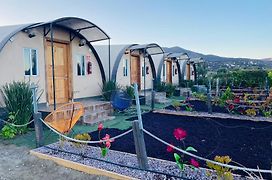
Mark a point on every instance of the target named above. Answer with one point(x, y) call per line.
point(120, 100)
point(65, 117)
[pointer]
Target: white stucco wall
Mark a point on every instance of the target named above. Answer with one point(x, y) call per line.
point(175, 77)
point(122, 80)
point(12, 63)
point(148, 79)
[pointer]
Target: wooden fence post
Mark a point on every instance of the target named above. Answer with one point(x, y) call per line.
point(209, 98)
point(37, 116)
point(152, 100)
point(38, 129)
point(139, 145)
point(138, 134)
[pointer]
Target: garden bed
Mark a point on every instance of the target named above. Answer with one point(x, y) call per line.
point(236, 109)
point(246, 142)
point(116, 164)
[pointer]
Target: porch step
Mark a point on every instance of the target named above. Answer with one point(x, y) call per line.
point(160, 97)
point(97, 112)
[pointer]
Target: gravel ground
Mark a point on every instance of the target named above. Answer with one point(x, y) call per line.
point(121, 158)
point(17, 163)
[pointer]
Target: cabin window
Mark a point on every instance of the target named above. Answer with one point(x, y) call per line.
point(81, 61)
point(143, 71)
point(30, 62)
point(173, 70)
point(125, 67)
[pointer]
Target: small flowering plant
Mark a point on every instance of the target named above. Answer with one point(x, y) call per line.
point(106, 144)
point(180, 134)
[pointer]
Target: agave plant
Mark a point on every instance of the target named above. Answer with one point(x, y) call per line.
point(17, 98)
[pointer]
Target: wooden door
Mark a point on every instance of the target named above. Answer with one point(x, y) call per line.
point(135, 75)
point(168, 71)
point(61, 69)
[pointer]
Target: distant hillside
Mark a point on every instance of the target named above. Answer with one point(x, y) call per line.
point(217, 62)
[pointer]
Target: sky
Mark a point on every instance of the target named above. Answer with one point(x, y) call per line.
point(230, 28)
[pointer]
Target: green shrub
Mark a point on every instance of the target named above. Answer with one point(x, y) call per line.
point(227, 95)
point(169, 89)
point(8, 132)
point(160, 86)
point(107, 89)
point(130, 91)
point(18, 101)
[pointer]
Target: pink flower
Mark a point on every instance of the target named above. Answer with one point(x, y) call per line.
point(100, 127)
point(180, 134)
point(194, 163)
point(108, 141)
point(170, 149)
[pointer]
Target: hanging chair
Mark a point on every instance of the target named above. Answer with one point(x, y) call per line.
point(65, 117)
point(120, 100)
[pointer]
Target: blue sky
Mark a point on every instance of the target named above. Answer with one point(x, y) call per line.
point(232, 28)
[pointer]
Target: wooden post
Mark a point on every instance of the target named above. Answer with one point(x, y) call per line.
point(37, 115)
point(217, 87)
point(139, 145)
point(38, 129)
point(209, 103)
point(152, 100)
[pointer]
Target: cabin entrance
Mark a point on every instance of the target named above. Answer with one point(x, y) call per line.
point(168, 71)
point(61, 71)
point(135, 73)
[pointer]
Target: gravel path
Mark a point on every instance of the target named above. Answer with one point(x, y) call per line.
point(122, 158)
point(17, 163)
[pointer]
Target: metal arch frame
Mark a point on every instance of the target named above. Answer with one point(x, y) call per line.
point(146, 54)
point(176, 60)
point(118, 61)
point(53, 24)
point(194, 67)
point(69, 18)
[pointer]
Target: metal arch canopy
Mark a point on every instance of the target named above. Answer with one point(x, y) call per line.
point(89, 30)
point(178, 56)
point(196, 60)
point(151, 49)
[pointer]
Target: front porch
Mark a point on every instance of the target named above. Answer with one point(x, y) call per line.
point(95, 109)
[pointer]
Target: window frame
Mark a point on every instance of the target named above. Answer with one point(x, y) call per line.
point(37, 61)
point(125, 67)
point(79, 60)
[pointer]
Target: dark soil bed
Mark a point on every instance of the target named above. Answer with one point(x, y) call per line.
point(246, 142)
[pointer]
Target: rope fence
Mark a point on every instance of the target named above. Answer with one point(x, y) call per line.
point(81, 141)
point(204, 159)
point(17, 125)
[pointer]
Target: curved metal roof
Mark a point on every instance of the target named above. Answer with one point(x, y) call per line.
point(6, 32)
point(87, 29)
point(178, 56)
point(151, 49)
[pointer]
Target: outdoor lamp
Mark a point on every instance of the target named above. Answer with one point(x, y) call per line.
point(82, 42)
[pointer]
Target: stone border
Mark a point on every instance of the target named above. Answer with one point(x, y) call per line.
point(80, 167)
point(213, 115)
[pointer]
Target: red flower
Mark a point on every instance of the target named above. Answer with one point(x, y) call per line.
point(236, 100)
point(194, 163)
point(100, 127)
point(108, 141)
point(170, 149)
point(180, 134)
point(231, 107)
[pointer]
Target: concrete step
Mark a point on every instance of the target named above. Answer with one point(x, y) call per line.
point(97, 112)
point(97, 120)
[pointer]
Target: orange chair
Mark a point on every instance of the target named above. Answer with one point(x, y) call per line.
point(65, 117)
